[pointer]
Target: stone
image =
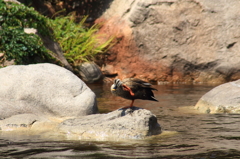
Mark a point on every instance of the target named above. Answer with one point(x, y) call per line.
point(119, 125)
point(122, 124)
point(18, 121)
point(224, 98)
point(44, 90)
point(174, 40)
point(30, 30)
point(90, 72)
point(108, 70)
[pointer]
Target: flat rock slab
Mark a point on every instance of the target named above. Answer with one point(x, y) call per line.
point(120, 124)
point(224, 98)
point(18, 121)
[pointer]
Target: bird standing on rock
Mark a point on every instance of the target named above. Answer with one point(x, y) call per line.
point(133, 88)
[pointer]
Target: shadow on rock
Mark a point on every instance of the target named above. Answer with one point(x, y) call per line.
point(126, 111)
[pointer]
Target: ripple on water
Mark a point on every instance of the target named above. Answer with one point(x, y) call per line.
point(186, 133)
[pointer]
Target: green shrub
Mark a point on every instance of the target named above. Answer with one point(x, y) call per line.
point(14, 42)
point(78, 42)
point(23, 48)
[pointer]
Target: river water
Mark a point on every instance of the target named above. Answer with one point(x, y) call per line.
point(186, 133)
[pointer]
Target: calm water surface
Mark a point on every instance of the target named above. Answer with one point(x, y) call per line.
point(186, 133)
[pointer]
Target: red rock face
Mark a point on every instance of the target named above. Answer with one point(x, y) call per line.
point(124, 56)
point(181, 41)
point(126, 60)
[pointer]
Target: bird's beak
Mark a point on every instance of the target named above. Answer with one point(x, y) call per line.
point(113, 87)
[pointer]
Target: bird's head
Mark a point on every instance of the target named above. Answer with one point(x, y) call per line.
point(117, 83)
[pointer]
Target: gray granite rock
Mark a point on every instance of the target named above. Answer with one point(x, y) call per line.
point(224, 98)
point(174, 40)
point(117, 125)
point(19, 121)
point(44, 90)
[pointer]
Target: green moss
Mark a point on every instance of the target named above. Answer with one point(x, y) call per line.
point(14, 42)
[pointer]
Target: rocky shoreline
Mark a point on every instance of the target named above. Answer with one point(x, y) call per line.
point(49, 98)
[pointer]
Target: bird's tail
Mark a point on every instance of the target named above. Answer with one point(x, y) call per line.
point(154, 89)
point(154, 99)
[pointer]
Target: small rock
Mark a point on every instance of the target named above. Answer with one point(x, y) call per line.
point(109, 70)
point(90, 72)
point(30, 30)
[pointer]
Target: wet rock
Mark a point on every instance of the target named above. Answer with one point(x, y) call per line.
point(18, 121)
point(44, 90)
point(224, 98)
point(174, 40)
point(90, 72)
point(117, 125)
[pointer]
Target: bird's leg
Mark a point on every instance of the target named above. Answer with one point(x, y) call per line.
point(126, 88)
point(131, 105)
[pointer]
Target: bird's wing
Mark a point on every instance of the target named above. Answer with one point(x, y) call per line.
point(141, 82)
point(136, 84)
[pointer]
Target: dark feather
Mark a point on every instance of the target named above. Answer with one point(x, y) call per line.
point(141, 89)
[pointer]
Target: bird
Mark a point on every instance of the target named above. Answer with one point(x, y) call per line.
point(133, 88)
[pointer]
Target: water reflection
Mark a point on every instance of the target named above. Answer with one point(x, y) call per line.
point(186, 133)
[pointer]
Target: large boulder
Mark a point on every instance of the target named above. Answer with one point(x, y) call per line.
point(120, 124)
point(221, 99)
point(174, 40)
point(44, 89)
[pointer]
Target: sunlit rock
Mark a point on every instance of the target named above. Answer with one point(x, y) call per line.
point(44, 89)
point(19, 122)
point(221, 99)
point(117, 125)
point(174, 40)
point(51, 99)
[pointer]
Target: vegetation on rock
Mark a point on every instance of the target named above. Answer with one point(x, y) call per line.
point(78, 42)
point(14, 42)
